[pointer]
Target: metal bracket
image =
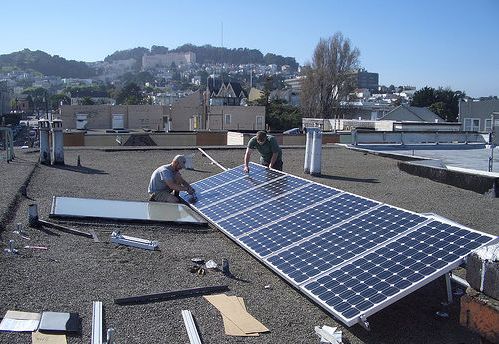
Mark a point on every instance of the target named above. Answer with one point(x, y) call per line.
point(364, 323)
point(191, 327)
point(448, 286)
point(97, 320)
point(118, 238)
point(97, 323)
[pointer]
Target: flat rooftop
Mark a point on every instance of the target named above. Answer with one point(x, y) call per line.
point(74, 271)
point(468, 157)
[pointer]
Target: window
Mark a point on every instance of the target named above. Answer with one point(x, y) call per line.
point(488, 125)
point(227, 119)
point(471, 124)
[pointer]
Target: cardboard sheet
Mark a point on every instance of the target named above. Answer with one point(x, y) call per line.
point(231, 328)
point(231, 308)
point(43, 338)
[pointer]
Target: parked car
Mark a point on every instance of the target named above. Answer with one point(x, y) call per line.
point(293, 131)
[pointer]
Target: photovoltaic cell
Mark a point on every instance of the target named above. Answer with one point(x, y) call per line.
point(261, 193)
point(352, 255)
point(320, 253)
point(276, 209)
point(232, 188)
point(364, 283)
point(277, 235)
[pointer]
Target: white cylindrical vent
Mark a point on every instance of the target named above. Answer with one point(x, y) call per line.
point(308, 149)
point(44, 129)
point(57, 143)
point(189, 164)
point(315, 161)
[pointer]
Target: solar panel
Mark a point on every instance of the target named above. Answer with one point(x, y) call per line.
point(351, 255)
point(71, 207)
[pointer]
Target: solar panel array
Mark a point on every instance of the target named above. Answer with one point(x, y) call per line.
point(352, 255)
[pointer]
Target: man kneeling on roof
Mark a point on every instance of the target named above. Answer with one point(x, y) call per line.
point(166, 182)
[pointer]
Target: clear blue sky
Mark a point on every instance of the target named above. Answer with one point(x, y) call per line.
point(425, 42)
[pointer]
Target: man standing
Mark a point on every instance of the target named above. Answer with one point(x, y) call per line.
point(166, 182)
point(267, 146)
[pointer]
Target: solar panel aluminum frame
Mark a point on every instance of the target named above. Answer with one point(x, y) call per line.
point(361, 318)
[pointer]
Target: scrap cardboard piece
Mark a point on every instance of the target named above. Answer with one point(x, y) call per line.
point(16, 321)
point(60, 321)
point(231, 328)
point(231, 308)
point(44, 338)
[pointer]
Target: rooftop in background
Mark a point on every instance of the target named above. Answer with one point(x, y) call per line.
point(470, 158)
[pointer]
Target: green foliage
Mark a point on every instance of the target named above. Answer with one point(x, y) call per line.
point(281, 116)
point(270, 58)
point(37, 97)
point(443, 102)
point(135, 53)
point(57, 99)
point(157, 49)
point(424, 97)
point(45, 64)
point(137, 78)
point(87, 101)
point(131, 94)
point(210, 54)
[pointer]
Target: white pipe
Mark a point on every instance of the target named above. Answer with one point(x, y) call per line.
point(315, 163)
point(57, 143)
point(308, 149)
point(44, 128)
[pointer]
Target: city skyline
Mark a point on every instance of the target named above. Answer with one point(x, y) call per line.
point(428, 43)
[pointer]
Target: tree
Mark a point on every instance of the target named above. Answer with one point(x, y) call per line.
point(281, 116)
point(424, 97)
point(443, 101)
point(87, 101)
point(329, 78)
point(57, 100)
point(131, 94)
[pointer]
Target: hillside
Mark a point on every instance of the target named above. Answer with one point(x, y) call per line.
point(41, 62)
point(209, 54)
point(46, 64)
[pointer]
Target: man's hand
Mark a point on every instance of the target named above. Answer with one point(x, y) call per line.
point(190, 190)
point(246, 169)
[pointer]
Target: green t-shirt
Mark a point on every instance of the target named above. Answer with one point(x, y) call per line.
point(269, 147)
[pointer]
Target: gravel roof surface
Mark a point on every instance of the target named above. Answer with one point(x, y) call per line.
point(75, 271)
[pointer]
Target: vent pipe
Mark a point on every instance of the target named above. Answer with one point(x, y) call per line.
point(315, 161)
point(308, 149)
point(44, 129)
point(57, 143)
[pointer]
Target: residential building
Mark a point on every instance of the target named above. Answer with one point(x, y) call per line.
point(195, 112)
point(98, 97)
point(106, 116)
point(295, 83)
point(165, 60)
point(225, 93)
point(406, 113)
point(4, 102)
point(186, 114)
point(236, 118)
point(476, 115)
point(364, 79)
point(288, 95)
